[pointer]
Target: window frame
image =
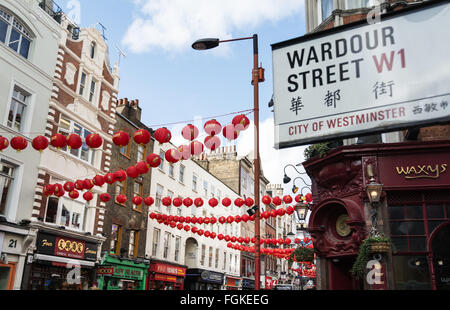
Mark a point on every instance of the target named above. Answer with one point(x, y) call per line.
point(17, 101)
point(117, 242)
point(82, 204)
point(14, 23)
point(155, 241)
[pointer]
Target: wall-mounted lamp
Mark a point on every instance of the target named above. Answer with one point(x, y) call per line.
point(252, 210)
point(373, 189)
point(301, 209)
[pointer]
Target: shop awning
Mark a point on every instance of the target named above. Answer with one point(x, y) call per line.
point(64, 260)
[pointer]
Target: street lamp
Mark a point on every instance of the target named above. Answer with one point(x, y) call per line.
point(257, 77)
point(295, 188)
point(286, 178)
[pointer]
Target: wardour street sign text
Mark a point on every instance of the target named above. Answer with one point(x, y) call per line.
point(364, 78)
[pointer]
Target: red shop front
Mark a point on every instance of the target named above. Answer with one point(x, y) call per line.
point(165, 276)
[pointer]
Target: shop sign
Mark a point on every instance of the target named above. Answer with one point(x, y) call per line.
point(105, 271)
point(232, 282)
point(211, 276)
point(168, 269)
point(165, 278)
point(248, 283)
point(364, 78)
point(414, 169)
point(66, 247)
point(128, 272)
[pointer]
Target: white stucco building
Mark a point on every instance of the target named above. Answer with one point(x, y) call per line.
point(28, 49)
point(209, 262)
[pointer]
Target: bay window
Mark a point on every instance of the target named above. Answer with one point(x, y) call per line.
point(84, 153)
point(65, 212)
point(14, 34)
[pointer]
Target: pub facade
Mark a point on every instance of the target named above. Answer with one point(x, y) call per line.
point(414, 212)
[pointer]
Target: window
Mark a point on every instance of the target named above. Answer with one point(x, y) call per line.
point(158, 196)
point(138, 190)
point(82, 83)
point(177, 248)
point(205, 188)
point(17, 109)
point(121, 189)
point(65, 212)
point(6, 181)
point(171, 170)
point(244, 178)
point(217, 259)
point(93, 45)
point(84, 153)
point(169, 194)
point(181, 175)
point(133, 244)
point(14, 34)
point(116, 237)
point(156, 233)
point(166, 244)
point(161, 155)
point(355, 4)
point(194, 182)
point(92, 91)
point(213, 190)
point(224, 260)
point(202, 257)
point(210, 256)
point(140, 153)
point(125, 150)
point(326, 8)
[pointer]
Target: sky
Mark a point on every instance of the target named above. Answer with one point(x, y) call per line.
point(177, 84)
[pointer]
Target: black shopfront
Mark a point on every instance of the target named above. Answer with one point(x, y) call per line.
point(200, 279)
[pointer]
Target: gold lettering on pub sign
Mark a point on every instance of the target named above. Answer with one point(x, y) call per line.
point(422, 171)
point(70, 246)
point(46, 243)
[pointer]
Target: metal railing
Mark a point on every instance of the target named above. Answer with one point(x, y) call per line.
point(52, 9)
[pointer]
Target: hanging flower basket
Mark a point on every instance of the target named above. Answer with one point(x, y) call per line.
point(380, 247)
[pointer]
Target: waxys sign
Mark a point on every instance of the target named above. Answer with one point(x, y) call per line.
point(363, 78)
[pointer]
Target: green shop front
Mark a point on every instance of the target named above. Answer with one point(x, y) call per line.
point(121, 274)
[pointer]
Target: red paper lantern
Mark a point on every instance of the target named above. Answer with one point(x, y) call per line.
point(69, 186)
point(212, 142)
point(141, 136)
point(297, 198)
point(239, 202)
point(287, 241)
point(94, 140)
point(110, 178)
point(247, 239)
point(88, 184)
point(121, 138)
point(137, 200)
point(241, 122)
point(212, 127)
point(98, 180)
point(39, 143)
point(287, 199)
point(233, 239)
point(187, 202)
point(172, 155)
point(240, 239)
point(309, 197)
point(19, 143)
point(249, 202)
point(220, 236)
point(166, 201)
point(196, 148)
point(226, 202)
point(190, 132)
point(277, 201)
point(273, 213)
point(120, 175)
point(177, 202)
point(48, 189)
point(74, 194)
point(58, 140)
point(230, 219)
point(213, 220)
point(200, 232)
point(281, 212)
point(237, 218)
point(4, 143)
point(266, 200)
point(245, 218)
point(74, 141)
point(88, 196)
point(185, 152)
point(198, 202)
point(79, 185)
point(149, 201)
point(142, 167)
point(213, 235)
point(230, 132)
point(207, 233)
point(180, 226)
point(290, 210)
point(227, 238)
point(121, 199)
point(213, 202)
point(152, 215)
point(58, 190)
point(132, 172)
point(154, 160)
point(222, 219)
point(104, 197)
point(163, 135)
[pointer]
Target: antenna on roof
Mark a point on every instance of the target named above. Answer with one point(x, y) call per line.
point(121, 53)
point(103, 30)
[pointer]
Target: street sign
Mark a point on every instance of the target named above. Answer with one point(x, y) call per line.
point(364, 78)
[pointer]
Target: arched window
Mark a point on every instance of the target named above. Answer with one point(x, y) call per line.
point(14, 34)
point(93, 49)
